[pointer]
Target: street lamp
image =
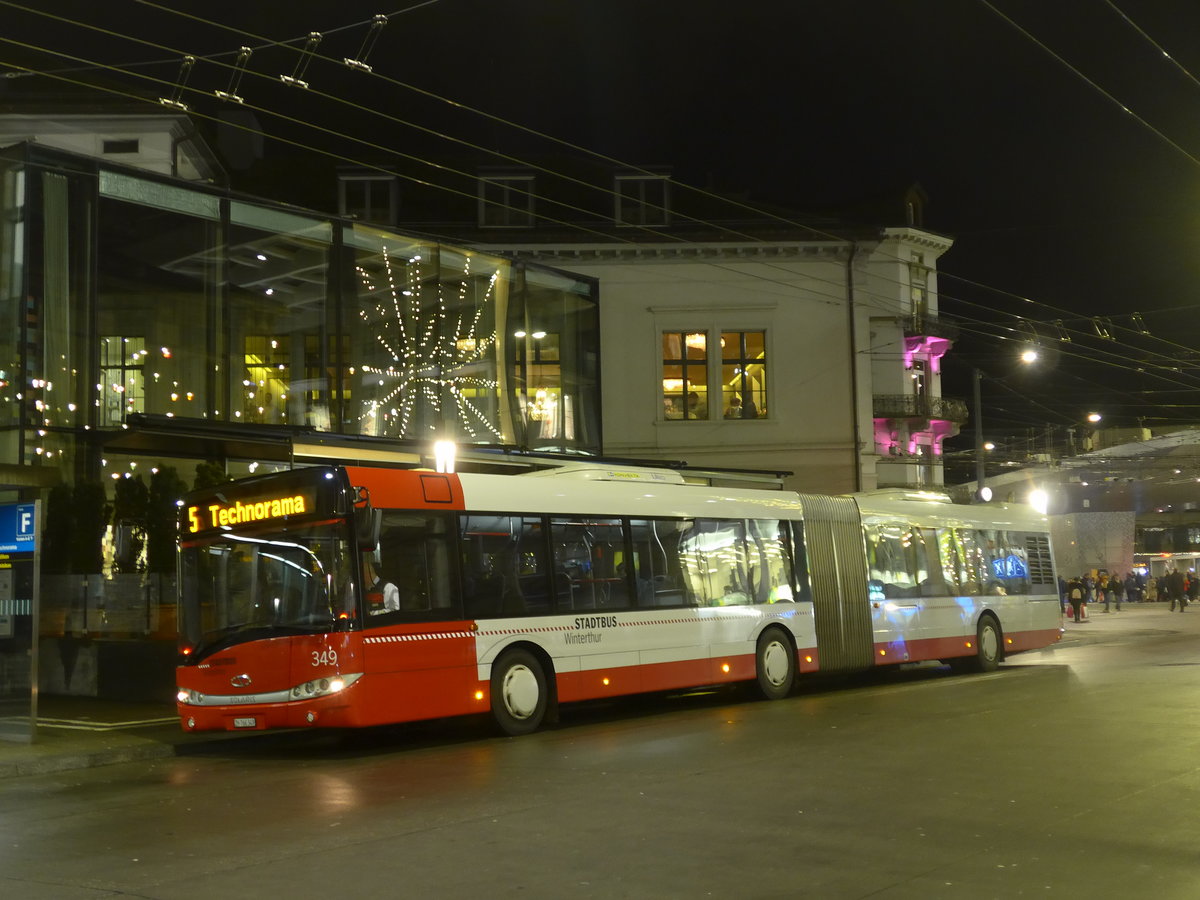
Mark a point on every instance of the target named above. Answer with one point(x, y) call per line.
point(982, 492)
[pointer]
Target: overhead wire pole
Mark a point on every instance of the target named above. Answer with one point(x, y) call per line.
point(982, 494)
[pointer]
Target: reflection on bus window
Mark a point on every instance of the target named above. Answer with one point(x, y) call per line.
point(897, 559)
point(730, 562)
point(240, 583)
point(770, 562)
point(971, 549)
point(951, 563)
point(713, 555)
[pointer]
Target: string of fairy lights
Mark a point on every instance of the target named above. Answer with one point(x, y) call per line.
point(425, 360)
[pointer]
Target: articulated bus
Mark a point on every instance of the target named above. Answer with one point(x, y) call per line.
point(342, 596)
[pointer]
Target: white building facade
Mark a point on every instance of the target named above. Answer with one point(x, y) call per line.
point(819, 358)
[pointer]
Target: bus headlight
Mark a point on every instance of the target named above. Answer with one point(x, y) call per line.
point(323, 687)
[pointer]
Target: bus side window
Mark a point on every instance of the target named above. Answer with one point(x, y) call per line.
point(769, 569)
point(951, 566)
point(414, 555)
point(891, 565)
point(589, 563)
point(486, 554)
point(928, 562)
point(531, 565)
point(1007, 570)
point(657, 571)
point(799, 562)
point(714, 562)
point(971, 559)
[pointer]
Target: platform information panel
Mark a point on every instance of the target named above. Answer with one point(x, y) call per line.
point(19, 585)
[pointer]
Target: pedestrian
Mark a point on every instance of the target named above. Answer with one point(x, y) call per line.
point(1104, 591)
point(1193, 588)
point(1132, 591)
point(1117, 586)
point(1174, 580)
point(1064, 601)
point(1075, 595)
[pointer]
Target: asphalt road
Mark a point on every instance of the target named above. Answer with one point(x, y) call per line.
point(1068, 773)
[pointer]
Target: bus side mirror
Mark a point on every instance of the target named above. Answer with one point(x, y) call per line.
point(367, 524)
point(367, 520)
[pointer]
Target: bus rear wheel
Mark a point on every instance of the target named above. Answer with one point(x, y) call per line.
point(988, 645)
point(519, 694)
point(775, 662)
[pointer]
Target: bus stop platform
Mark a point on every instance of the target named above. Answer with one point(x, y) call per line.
point(83, 732)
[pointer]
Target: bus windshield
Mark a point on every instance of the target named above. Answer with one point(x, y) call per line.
point(245, 586)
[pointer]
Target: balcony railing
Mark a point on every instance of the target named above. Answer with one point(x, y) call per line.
point(907, 406)
point(920, 324)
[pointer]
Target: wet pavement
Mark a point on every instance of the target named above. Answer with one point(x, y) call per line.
point(82, 732)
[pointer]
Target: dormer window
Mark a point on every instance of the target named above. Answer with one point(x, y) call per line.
point(127, 145)
point(369, 197)
point(641, 199)
point(506, 201)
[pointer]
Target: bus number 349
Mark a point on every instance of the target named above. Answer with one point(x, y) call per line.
point(326, 657)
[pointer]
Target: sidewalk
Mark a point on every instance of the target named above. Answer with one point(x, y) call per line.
point(81, 732)
point(1133, 617)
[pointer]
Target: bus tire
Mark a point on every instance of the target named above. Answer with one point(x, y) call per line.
point(775, 662)
point(989, 644)
point(519, 693)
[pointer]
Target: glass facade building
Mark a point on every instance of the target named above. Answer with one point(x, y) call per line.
point(156, 334)
point(125, 293)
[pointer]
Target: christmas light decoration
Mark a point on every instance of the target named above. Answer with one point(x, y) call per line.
point(431, 377)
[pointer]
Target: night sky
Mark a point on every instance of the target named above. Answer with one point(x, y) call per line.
point(1063, 205)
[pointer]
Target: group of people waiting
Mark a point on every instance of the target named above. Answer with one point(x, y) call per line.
point(1178, 587)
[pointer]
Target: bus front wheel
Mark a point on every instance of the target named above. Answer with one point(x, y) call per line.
point(519, 694)
point(776, 664)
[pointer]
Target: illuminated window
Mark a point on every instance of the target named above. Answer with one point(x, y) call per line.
point(744, 374)
point(685, 374)
point(122, 379)
point(321, 359)
point(537, 372)
point(641, 199)
point(266, 379)
point(506, 201)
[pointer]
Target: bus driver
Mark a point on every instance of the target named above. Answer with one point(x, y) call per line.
point(381, 596)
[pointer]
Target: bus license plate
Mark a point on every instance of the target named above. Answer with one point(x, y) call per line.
point(245, 722)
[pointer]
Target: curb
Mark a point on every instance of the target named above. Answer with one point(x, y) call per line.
point(66, 762)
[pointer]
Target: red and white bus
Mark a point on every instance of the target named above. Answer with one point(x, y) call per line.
point(352, 596)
